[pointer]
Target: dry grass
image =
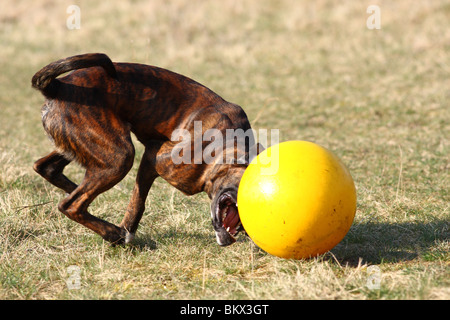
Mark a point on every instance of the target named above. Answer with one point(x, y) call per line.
point(378, 98)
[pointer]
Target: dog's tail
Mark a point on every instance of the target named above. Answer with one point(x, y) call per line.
point(43, 80)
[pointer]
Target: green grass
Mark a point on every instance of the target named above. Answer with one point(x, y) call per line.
point(377, 98)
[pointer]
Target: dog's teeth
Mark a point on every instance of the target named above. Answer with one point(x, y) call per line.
point(228, 229)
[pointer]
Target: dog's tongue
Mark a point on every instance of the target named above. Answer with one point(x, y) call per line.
point(231, 219)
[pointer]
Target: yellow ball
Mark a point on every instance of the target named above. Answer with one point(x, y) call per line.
point(296, 200)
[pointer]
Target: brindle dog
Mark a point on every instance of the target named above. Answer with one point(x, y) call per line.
point(89, 115)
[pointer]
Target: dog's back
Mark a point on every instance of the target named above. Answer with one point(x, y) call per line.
point(149, 98)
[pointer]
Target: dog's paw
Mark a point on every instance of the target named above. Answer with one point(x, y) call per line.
point(117, 235)
point(129, 237)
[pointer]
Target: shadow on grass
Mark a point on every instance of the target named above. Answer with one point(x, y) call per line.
point(372, 242)
point(152, 241)
point(376, 243)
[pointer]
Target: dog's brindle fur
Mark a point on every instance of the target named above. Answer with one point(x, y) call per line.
point(89, 115)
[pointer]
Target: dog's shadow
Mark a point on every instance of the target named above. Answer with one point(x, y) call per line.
point(375, 243)
point(143, 242)
point(154, 241)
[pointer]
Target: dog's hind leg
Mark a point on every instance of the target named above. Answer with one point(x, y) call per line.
point(51, 167)
point(96, 181)
point(76, 204)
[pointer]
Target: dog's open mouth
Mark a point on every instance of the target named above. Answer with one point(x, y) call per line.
point(228, 214)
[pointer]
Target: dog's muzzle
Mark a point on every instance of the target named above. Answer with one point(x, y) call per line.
point(225, 218)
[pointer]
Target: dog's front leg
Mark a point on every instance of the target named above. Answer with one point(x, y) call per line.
point(144, 180)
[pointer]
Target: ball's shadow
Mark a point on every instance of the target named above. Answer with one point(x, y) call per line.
point(376, 243)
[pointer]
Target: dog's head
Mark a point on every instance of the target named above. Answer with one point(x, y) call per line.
point(224, 208)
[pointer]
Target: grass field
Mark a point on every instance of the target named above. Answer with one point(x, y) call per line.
point(378, 98)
